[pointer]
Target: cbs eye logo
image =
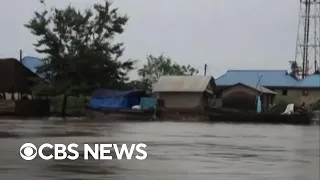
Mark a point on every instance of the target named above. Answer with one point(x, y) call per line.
point(28, 151)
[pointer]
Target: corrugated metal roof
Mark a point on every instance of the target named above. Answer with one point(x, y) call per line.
point(260, 89)
point(14, 76)
point(31, 63)
point(310, 81)
point(183, 83)
point(270, 78)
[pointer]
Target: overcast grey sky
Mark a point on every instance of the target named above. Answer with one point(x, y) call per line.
point(225, 34)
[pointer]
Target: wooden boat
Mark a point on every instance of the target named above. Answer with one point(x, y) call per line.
point(238, 116)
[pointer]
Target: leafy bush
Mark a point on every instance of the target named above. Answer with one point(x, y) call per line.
point(73, 104)
point(279, 107)
point(316, 106)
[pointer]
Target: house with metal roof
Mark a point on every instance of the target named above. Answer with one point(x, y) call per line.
point(185, 92)
point(16, 94)
point(15, 77)
point(268, 78)
point(309, 89)
point(242, 96)
point(280, 81)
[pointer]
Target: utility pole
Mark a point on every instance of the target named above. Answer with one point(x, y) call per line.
point(205, 69)
point(20, 55)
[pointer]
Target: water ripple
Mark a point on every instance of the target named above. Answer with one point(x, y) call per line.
point(175, 151)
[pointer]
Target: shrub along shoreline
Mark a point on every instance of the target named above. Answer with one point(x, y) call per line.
point(76, 106)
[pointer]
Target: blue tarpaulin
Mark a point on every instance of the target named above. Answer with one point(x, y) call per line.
point(104, 98)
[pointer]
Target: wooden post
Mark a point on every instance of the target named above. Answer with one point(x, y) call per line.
point(205, 69)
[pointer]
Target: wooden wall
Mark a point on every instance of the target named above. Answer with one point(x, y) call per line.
point(25, 108)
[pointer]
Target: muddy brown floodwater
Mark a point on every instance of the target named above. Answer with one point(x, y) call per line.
point(186, 151)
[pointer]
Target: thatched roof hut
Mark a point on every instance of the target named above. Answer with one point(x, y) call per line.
point(15, 77)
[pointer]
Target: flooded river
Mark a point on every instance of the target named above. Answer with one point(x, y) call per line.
point(186, 151)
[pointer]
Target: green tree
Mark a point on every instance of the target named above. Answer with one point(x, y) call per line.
point(78, 49)
point(294, 69)
point(161, 65)
point(135, 85)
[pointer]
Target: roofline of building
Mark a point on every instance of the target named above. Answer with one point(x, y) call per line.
point(180, 91)
point(209, 78)
point(208, 91)
point(27, 69)
point(251, 70)
point(282, 70)
point(31, 57)
point(276, 87)
point(241, 84)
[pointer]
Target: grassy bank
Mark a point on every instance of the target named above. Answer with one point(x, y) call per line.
point(75, 105)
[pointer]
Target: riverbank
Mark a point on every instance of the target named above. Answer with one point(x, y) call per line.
point(111, 119)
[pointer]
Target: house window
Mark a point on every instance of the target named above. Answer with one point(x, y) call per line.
point(284, 92)
point(305, 93)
